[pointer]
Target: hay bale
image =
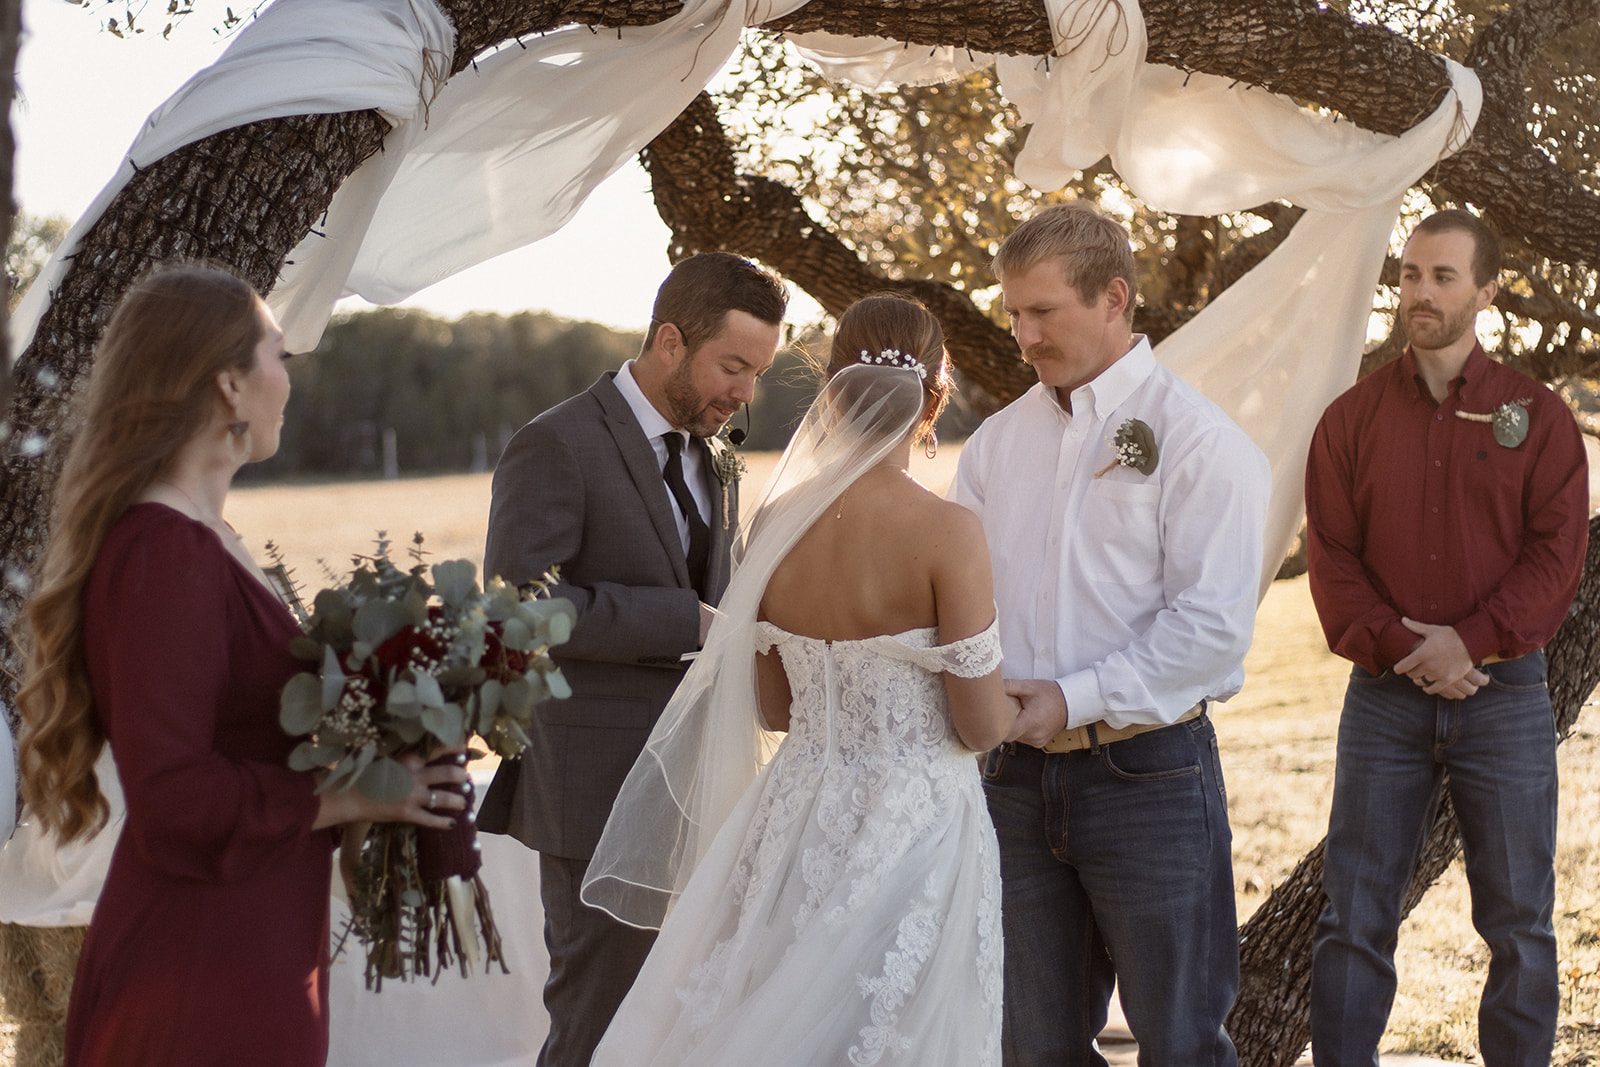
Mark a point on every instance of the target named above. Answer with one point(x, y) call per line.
point(37, 964)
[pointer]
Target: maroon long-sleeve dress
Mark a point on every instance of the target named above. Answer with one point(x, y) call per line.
point(209, 943)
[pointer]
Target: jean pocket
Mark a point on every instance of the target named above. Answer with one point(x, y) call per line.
point(1516, 676)
point(1361, 676)
point(994, 760)
point(1156, 756)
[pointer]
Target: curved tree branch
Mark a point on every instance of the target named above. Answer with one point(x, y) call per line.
point(1369, 74)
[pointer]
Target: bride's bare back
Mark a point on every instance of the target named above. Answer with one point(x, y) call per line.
point(888, 557)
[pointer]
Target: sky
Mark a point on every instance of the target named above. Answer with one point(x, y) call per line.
point(83, 95)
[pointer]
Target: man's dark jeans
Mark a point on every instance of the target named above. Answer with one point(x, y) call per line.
point(1116, 866)
point(1395, 743)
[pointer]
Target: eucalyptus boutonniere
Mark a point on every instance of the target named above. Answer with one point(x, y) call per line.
point(729, 467)
point(1509, 421)
point(1136, 448)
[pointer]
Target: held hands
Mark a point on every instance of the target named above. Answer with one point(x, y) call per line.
point(1043, 710)
point(437, 787)
point(1440, 662)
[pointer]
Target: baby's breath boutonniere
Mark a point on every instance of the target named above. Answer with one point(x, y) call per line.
point(729, 466)
point(1136, 449)
point(1509, 422)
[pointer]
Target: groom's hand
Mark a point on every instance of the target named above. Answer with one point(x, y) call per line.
point(1044, 710)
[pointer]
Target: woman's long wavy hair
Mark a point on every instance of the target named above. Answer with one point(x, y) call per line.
point(152, 389)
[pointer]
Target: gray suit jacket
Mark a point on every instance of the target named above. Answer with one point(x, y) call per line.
point(580, 488)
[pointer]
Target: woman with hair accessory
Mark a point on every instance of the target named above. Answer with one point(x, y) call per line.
point(841, 903)
point(151, 629)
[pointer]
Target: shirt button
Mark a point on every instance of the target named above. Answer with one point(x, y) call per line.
point(1436, 511)
point(1433, 607)
point(1438, 418)
point(1438, 463)
point(1432, 556)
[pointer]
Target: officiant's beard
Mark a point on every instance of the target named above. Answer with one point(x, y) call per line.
point(690, 409)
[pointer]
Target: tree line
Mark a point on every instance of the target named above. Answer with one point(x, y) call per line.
point(431, 395)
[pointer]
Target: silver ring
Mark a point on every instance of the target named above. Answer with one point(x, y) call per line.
point(430, 798)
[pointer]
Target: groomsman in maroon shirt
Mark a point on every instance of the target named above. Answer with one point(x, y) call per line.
point(1447, 501)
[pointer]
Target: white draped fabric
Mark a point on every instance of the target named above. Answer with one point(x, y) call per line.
point(1279, 344)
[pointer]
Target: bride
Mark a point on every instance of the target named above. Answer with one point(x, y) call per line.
point(843, 905)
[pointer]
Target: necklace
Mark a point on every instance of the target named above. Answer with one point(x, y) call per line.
point(215, 523)
point(839, 514)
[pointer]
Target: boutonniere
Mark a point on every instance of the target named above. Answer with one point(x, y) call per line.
point(1136, 448)
point(729, 467)
point(1509, 421)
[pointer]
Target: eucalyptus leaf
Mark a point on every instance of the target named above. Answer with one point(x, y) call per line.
point(408, 731)
point(300, 706)
point(518, 699)
point(333, 679)
point(516, 634)
point(341, 777)
point(385, 781)
point(378, 620)
point(310, 756)
point(447, 723)
point(545, 616)
point(428, 691)
point(455, 580)
point(403, 702)
point(488, 701)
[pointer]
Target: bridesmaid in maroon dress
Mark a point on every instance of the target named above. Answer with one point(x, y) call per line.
point(152, 629)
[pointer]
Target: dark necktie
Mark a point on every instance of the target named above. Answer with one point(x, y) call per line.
point(699, 532)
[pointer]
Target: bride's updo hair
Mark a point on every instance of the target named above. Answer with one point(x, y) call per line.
point(890, 322)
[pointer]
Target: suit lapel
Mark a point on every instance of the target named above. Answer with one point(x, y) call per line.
point(643, 468)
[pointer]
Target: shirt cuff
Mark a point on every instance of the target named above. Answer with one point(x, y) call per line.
point(1082, 692)
point(1394, 644)
point(1477, 631)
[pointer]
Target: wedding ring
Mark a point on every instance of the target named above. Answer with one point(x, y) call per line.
point(430, 798)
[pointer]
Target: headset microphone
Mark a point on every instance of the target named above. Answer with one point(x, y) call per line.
point(737, 437)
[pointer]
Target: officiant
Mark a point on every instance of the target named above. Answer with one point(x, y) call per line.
point(629, 493)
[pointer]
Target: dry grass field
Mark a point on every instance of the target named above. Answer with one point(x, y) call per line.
point(1277, 738)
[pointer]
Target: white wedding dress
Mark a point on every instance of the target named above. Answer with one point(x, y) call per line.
point(848, 911)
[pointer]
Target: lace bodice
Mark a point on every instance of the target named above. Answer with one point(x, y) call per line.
point(879, 698)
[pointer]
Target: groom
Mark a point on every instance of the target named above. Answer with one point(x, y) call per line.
point(621, 488)
point(1124, 512)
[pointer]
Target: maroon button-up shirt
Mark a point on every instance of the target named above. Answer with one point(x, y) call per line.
point(1415, 512)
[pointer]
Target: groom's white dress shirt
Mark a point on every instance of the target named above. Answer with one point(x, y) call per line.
point(1136, 593)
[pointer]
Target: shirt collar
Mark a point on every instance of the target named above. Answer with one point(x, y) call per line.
point(651, 421)
point(1105, 393)
point(1472, 373)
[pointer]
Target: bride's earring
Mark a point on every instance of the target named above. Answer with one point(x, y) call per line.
point(930, 444)
point(239, 428)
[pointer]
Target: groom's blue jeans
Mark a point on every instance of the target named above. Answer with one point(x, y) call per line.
point(1395, 743)
point(1116, 867)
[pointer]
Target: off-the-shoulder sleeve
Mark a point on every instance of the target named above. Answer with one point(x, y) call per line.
point(970, 657)
point(768, 637)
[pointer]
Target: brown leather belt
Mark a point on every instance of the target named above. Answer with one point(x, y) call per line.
point(1077, 738)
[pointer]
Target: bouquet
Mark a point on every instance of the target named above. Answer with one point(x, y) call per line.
point(409, 661)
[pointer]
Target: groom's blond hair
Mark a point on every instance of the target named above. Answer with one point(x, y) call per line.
point(1093, 249)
